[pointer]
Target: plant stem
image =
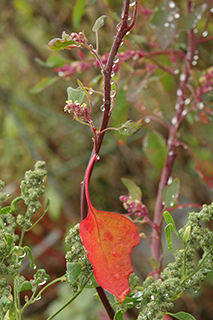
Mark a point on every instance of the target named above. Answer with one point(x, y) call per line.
point(122, 30)
point(155, 242)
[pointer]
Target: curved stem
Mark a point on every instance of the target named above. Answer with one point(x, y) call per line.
point(122, 30)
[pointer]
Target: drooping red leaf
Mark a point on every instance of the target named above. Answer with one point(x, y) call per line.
point(108, 238)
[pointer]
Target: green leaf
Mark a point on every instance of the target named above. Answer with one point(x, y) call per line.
point(5, 210)
point(75, 94)
point(169, 238)
point(5, 304)
point(1, 224)
point(119, 315)
point(73, 271)
point(181, 315)
point(119, 114)
point(186, 234)
point(169, 220)
point(26, 285)
point(191, 19)
point(30, 255)
point(10, 241)
point(170, 193)
point(52, 61)
point(84, 89)
point(134, 191)
point(58, 44)
point(92, 283)
point(12, 312)
point(78, 12)
point(130, 127)
point(99, 23)
point(161, 21)
point(155, 148)
point(44, 83)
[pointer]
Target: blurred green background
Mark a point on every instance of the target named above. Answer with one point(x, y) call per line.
point(33, 126)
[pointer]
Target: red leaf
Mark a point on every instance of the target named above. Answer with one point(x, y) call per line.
point(108, 238)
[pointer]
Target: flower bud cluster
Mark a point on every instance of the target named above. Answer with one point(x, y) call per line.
point(78, 37)
point(206, 81)
point(134, 206)
point(80, 111)
point(32, 188)
point(77, 253)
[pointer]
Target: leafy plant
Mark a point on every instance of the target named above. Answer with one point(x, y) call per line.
point(103, 241)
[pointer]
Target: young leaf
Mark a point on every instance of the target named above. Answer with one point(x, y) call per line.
point(78, 12)
point(26, 285)
point(75, 94)
point(164, 29)
point(181, 316)
point(155, 148)
point(30, 255)
point(170, 193)
point(5, 210)
point(59, 44)
point(99, 23)
point(119, 315)
point(134, 191)
point(73, 271)
point(44, 83)
point(130, 127)
point(108, 238)
point(169, 220)
point(169, 238)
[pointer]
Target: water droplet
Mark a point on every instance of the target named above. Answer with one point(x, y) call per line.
point(102, 108)
point(38, 298)
point(116, 60)
point(205, 33)
point(176, 71)
point(179, 92)
point(170, 153)
point(170, 180)
point(200, 105)
point(211, 10)
point(60, 73)
point(112, 74)
point(166, 24)
point(121, 43)
point(152, 297)
point(174, 120)
point(182, 77)
point(43, 282)
point(112, 94)
point(97, 157)
point(117, 276)
point(171, 4)
point(177, 15)
point(147, 120)
point(34, 267)
point(177, 106)
point(171, 204)
point(184, 112)
point(187, 101)
point(128, 32)
point(132, 4)
point(194, 63)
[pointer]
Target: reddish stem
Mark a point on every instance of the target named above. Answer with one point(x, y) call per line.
point(155, 242)
point(122, 30)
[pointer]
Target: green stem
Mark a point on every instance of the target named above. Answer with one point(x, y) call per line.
point(22, 237)
point(32, 300)
point(71, 299)
point(17, 300)
point(198, 266)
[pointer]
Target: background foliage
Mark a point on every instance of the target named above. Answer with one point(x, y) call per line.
point(33, 125)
